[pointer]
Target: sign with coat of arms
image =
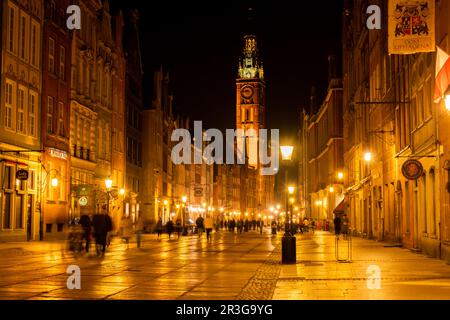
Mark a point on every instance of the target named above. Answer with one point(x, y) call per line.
point(412, 169)
point(411, 26)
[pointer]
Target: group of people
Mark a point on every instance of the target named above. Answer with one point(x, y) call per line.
point(99, 228)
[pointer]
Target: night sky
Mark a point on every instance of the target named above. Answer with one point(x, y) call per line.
point(200, 44)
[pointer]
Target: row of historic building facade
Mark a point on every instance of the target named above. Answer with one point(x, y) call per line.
point(379, 115)
point(73, 116)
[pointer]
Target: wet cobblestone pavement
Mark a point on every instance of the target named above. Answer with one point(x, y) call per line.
point(229, 267)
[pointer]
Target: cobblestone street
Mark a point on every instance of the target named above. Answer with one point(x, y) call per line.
point(231, 266)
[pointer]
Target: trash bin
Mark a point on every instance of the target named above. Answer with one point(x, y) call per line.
point(288, 249)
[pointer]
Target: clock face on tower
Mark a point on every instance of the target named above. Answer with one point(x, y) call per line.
point(247, 92)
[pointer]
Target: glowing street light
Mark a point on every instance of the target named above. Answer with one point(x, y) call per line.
point(368, 156)
point(108, 183)
point(286, 152)
point(122, 191)
point(447, 100)
point(331, 189)
point(54, 182)
point(291, 189)
point(184, 199)
point(340, 175)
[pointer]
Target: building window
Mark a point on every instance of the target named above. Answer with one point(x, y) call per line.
point(34, 44)
point(32, 114)
point(61, 119)
point(62, 63)
point(12, 29)
point(21, 110)
point(23, 38)
point(9, 104)
point(51, 55)
point(50, 115)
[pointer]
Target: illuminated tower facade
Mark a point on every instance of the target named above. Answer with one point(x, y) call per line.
point(251, 114)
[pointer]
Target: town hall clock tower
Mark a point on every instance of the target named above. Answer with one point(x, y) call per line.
point(251, 114)
point(250, 88)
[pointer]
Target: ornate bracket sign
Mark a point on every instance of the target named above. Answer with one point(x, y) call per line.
point(412, 169)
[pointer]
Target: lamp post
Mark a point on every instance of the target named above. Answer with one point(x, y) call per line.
point(184, 200)
point(288, 242)
point(108, 184)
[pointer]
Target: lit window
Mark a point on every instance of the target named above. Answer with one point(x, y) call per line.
point(51, 55)
point(32, 114)
point(50, 115)
point(61, 119)
point(62, 63)
point(21, 111)
point(9, 104)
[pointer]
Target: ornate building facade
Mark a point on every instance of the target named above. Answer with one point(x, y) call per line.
point(21, 216)
point(55, 116)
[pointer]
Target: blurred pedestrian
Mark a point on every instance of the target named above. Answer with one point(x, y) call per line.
point(337, 225)
point(126, 229)
point(178, 227)
point(208, 226)
point(169, 227)
point(200, 226)
point(102, 225)
point(139, 229)
point(345, 228)
point(86, 224)
point(159, 227)
point(240, 225)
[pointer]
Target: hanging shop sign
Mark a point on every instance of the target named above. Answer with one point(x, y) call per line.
point(57, 153)
point(412, 169)
point(22, 174)
point(198, 192)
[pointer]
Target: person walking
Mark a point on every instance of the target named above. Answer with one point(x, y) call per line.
point(169, 227)
point(345, 226)
point(337, 225)
point(306, 224)
point(126, 228)
point(240, 225)
point(102, 225)
point(139, 229)
point(159, 228)
point(178, 227)
point(200, 226)
point(208, 226)
point(86, 224)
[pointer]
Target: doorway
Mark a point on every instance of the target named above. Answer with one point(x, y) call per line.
point(30, 217)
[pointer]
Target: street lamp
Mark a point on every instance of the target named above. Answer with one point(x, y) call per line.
point(340, 175)
point(288, 242)
point(54, 182)
point(184, 200)
point(368, 156)
point(122, 191)
point(447, 99)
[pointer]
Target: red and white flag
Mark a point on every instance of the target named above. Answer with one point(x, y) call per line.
point(442, 74)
